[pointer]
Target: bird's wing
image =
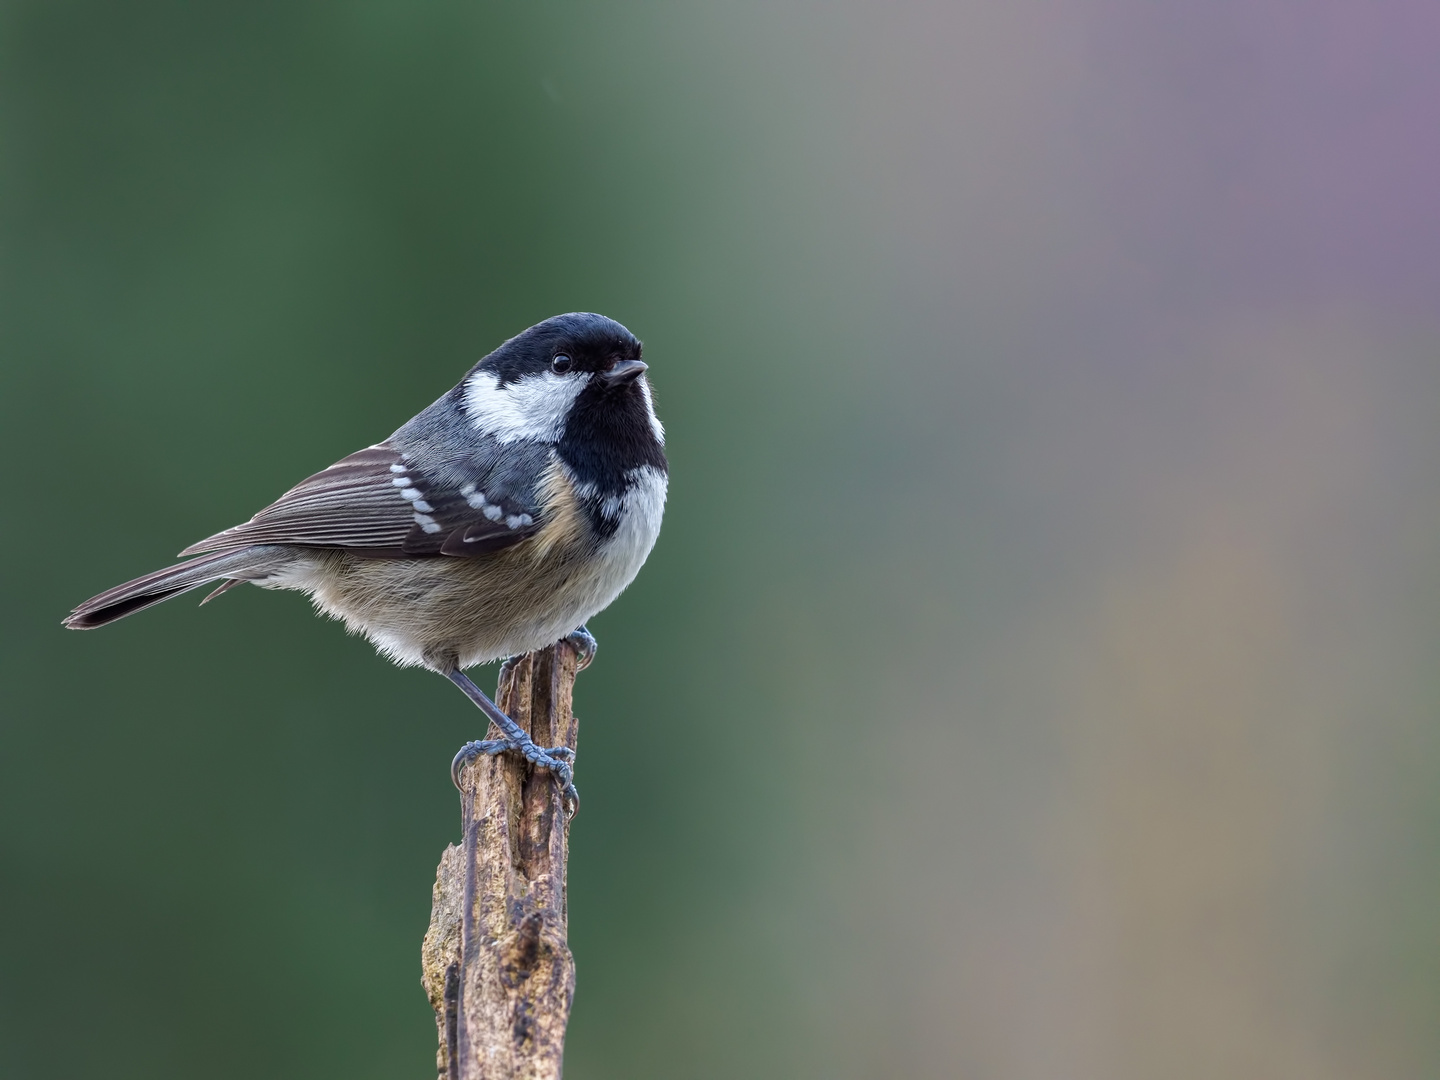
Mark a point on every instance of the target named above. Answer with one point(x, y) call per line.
point(378, 502)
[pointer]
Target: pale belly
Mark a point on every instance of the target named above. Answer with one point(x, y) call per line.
point(442, 612)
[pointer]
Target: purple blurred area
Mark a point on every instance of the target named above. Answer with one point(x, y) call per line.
point(1160, 327)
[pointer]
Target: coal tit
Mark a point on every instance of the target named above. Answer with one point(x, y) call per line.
point(495, 522)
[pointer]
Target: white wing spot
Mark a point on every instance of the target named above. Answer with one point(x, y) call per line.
point(410, 493)
point(421, 504)
point(493, 512)
point(401, 481)
point(397, 468)
point(466, 489)
point(426, 522)
point(477, 500)
point(517, 521)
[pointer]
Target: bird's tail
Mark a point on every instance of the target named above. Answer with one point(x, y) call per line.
point(231, 567)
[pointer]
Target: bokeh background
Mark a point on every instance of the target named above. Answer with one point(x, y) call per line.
point(1036, 676)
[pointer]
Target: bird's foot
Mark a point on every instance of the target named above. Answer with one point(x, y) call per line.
point(559, 760)
point(585, 647)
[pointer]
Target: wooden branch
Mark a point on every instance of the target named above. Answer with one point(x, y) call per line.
point(496, 964)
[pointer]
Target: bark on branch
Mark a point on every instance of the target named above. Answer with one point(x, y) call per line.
point(496, 964)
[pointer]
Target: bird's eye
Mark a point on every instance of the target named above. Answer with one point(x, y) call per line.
point(561, 364)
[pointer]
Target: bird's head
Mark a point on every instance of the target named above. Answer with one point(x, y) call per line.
point(575, 379)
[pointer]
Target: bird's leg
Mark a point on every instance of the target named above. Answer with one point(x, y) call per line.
point(555, 759)
point(585, 647)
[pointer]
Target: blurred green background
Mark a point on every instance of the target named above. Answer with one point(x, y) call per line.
point(1036, 676)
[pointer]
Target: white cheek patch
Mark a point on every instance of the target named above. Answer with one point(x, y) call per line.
point(533, 407)
point(655, 425)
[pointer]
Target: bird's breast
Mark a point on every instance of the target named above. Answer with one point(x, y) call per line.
point(505, 602)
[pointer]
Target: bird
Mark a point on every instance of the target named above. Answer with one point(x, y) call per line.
point(496, 521)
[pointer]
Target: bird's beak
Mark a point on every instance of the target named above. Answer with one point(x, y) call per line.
point(626, 371)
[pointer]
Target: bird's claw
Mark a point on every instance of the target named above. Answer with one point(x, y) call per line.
point(558, 760)
point(585, 646)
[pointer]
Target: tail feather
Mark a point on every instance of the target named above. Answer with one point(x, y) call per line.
point(232, 567)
